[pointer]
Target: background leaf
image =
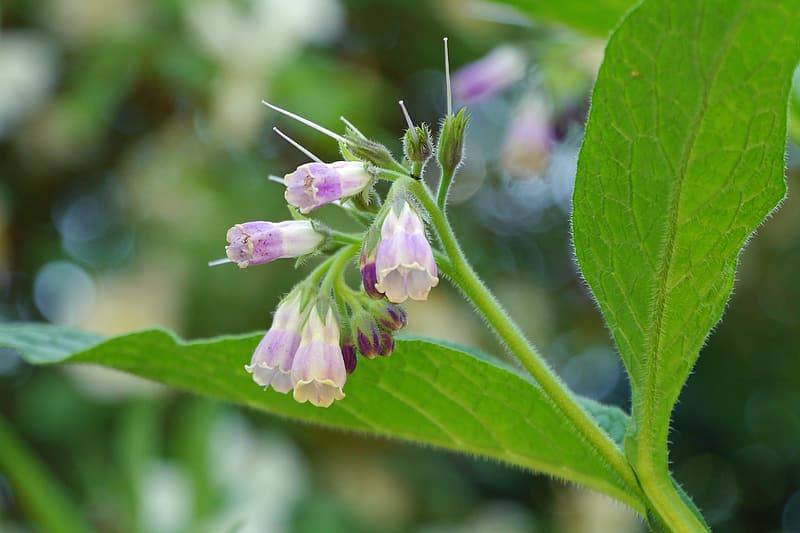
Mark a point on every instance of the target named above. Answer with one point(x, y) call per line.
point(683, 158)
point(426, 393)
point(591, 18)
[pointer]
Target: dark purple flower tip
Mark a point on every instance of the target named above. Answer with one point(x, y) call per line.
point(393, 317)
point(387, 343)
point(349, 356)
point(369, 277)
point(369, 342)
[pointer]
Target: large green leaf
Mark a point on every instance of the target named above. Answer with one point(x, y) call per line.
point(596, 18)
point(426, 393)
point(683, 158)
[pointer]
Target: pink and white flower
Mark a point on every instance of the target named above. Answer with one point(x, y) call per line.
point(318, 369)
point(254, 243)
point(315, 184)
point(404, 260)
point(271, 364)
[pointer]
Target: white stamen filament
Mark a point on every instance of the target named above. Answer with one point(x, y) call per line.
point(350, 125)
point(305, 121)
point(218, 262)
point(297, 145)
point(447, 79)
point(408, 120)
point(276, 179)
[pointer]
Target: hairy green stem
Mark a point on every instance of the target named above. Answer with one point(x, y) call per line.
point(465, 278)
point(444, 187)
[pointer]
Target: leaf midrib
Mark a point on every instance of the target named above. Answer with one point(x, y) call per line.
point(662, 276)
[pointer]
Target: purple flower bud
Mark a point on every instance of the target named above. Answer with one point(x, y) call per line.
point(404, 260)
point(272, 361)
point(368, 336)
point(369, 275)
point(387, 343)
point(254, 243)
point(318, 370)
point(489, 75)
point(391, 316)
point(315, 184)
point(349, 356)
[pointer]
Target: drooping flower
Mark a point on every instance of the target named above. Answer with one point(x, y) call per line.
point(271, 364)
point(315, 184)
point(404, 260)
point(254, 243)
point(318, 370)
point(489, 75)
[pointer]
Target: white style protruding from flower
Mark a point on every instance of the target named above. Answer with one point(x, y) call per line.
point(404, 260)
point(271, 364)
point(318, 371)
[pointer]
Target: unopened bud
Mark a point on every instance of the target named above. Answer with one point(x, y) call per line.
point(370, 151)
point(450, 147)
point(417, 144)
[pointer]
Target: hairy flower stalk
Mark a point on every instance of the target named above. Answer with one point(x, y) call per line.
point(255, 243)
point(404, 262)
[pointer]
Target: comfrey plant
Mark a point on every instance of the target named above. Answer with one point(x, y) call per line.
point(679, 165)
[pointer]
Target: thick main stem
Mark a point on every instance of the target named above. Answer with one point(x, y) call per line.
point(473, 288)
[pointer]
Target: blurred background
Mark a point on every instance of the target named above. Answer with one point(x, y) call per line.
point(132, 136)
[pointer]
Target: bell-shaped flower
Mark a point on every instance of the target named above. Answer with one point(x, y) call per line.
point(254, 243)
point(271, 364)
point(315, 184)
point(318, 370)
point(404, 260)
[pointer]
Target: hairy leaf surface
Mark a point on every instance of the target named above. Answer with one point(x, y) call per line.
point(426, 393)
point(683, 158)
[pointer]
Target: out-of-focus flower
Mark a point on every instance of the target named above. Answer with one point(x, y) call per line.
point(528, 143)
point(404, 260)
point(315, 184)
point(318, 371)
point(271, 364)
point(489, 75)
point(27, 74)
point(255, 243)
point(82, 21)
point(251, 40)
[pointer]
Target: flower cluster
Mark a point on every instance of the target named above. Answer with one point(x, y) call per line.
point(321, 327)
